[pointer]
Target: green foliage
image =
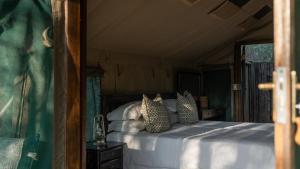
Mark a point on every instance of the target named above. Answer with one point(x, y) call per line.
point(259, 52)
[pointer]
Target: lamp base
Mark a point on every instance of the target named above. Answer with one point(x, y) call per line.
point(100, 143)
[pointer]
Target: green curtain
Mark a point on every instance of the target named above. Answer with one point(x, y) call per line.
point(93, 102)
point(25, 60)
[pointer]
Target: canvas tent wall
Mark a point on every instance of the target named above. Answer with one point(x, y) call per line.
point(174, 33)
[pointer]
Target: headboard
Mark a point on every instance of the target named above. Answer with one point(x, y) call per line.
point(113, 101)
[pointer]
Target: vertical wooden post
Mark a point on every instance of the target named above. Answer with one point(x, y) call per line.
point(237, 80)
point(68, 141)
point(297, 66)
point(284, 45)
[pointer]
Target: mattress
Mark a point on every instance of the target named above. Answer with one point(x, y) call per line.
point(205, 145)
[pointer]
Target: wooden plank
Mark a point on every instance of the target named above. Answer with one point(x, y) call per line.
point(283, 43)
point(67, 99)
point(59, 83)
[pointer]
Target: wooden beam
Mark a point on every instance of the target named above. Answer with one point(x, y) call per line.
point(68, 143)
point(284, 44)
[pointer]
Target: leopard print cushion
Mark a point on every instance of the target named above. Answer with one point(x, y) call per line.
point(155, 115)
point(187, 109)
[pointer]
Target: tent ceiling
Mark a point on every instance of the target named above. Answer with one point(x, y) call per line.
point(169, 28)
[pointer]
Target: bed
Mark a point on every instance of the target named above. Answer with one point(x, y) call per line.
point(204, 145)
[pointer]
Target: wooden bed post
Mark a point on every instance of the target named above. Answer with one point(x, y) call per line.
point(69, 98)
point(282, 85)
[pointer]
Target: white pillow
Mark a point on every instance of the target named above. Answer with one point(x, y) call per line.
point(171, 104)
point(131, 126)
point(173, 118)
point(129, 111)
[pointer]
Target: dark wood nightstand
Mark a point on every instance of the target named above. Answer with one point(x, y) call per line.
point(213, 114)
point(105, 157)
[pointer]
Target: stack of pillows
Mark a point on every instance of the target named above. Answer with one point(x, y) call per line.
point(155, 115)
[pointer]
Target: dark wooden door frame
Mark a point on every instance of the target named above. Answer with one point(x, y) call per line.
point(69, 84)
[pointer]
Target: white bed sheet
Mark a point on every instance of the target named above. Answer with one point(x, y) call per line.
point(205, 145)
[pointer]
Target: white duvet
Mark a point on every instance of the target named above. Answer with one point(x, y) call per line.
point(205, 145)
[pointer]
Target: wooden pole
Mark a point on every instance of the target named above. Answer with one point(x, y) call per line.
point(283, 43)
point(68, 123)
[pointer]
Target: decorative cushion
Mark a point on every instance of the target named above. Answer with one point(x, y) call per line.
point(187, 109)
point(191, 99)
point(130, 126)
point(128, 111)
point(155, 114)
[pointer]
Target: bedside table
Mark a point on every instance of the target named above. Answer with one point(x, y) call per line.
point(109, 156)
point(213, 114)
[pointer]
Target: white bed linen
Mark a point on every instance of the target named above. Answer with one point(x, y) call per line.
point(131, 126)
point(205, 145)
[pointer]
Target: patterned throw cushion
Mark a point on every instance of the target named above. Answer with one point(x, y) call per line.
point(191, 99)
point(155, 114)
point(187, 109)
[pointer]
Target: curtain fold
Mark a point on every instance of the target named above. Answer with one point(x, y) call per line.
point(93, 102)
point(26, 77)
